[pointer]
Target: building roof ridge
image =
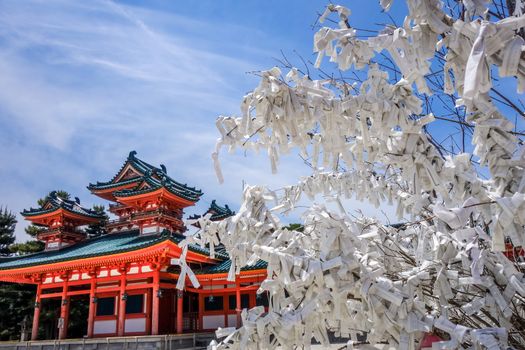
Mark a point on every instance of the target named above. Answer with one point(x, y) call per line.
point(218, 212)
point(146, 171)
point(57, 202)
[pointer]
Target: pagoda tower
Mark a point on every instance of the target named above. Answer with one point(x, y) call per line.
point(60, 220)
point(216, 213)
point(145, 197)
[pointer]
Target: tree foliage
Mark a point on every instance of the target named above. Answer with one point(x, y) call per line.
point(16, 304)
point(59, 193)
point(447, 268)
point(99, 228)
point(7, 230)
point(31, 246)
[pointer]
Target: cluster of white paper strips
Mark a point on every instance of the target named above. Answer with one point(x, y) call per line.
point(442, 273)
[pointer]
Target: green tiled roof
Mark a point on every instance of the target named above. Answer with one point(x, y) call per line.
point(104, 245)
point(106, 185)
point(148, 173)
point(154, 184)
point(53, 202)
point(218, 212)
point(100, 246)
point(224, 267)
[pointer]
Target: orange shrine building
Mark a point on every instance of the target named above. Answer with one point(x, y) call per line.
point(125, 279)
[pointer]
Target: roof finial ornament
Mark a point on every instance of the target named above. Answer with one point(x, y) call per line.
point(163, 168)
point(132, 154)
point(77, 200)
point(163, 180)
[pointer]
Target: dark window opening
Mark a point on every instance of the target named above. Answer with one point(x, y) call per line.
point(245, 301)
point(185, 303)
point(52, 290)
point(190, 303)
point(106, 306)
point(135, 304)
point(262, 299)
point(79, 287)
point(213, 303)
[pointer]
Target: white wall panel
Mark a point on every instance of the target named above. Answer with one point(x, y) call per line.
point(213, 321)
point(135, 325)
point(232, 320)
point(105, 326)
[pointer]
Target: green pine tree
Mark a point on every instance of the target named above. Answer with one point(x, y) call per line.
point(32, 246)
point(16, 301)
point(7, 230)
point(99, 228)
point(28, 247)
point(59, 193)
point(16, 304)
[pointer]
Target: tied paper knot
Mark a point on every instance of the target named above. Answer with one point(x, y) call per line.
point(509, 221)
point(185, 270)
point(456, 218)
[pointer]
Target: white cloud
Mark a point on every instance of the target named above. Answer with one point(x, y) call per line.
point(83, 83)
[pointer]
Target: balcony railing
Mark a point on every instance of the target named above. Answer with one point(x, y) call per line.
point(113, 207)
point(117, 222)
point(60, 230)
point(190, 321)
point(164, 212)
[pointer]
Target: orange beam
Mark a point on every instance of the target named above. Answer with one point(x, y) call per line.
point(68, 294)
point(168, 286)
point(222, 291)
point(214, 276)
point(138, 276)
point(51, 295)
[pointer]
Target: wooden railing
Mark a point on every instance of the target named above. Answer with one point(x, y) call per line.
point(190, 321)
point(159, 211)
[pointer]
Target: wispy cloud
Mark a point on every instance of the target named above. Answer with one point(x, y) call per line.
point(83, 83)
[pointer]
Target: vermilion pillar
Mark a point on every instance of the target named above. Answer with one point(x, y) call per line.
point(36, 315)
point(180, 306)
point(238, 309)
point(201, 312)
point(92, 307)
point(64, 310)
point(122, 305)
point(155, 304)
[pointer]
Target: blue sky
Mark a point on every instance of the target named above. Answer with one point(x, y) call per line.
point(82, 83)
